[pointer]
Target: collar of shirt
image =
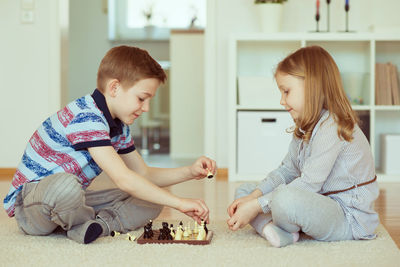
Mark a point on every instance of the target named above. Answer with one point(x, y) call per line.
point(115, 125)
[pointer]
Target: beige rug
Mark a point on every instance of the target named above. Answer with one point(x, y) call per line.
point(242, 248)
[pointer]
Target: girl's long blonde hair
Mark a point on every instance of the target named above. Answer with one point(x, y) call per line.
point(323, 89)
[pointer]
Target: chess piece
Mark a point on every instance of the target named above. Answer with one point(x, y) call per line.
point(186, 234)
point(148, 231)
point(165, 232)
point(114, 233)
point(209, 174)
point(196, 229)
point(189, 230)
point(202, 232)
point(130, 237)
point(172, 231)
point(179, 233)
point(205, 228)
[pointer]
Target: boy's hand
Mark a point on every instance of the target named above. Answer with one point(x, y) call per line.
point(195, 208)
point(201, 166)
point(235, 204)
point(245, 213)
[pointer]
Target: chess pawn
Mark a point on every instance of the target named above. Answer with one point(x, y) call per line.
point(114, 233)
point(179, 233)
point(186, 234)
point(172, 231)
point(196, 228)
point(200, 235)
point(189, 230)
point(130, 237)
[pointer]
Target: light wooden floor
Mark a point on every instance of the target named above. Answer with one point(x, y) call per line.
point(218, 194)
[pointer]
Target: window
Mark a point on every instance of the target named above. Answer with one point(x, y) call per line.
point(153, 19)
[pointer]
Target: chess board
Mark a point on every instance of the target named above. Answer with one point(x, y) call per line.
point(191, 241)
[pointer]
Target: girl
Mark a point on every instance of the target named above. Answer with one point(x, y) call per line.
point(326, 184)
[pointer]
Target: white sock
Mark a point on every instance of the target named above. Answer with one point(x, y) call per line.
point(278, 237)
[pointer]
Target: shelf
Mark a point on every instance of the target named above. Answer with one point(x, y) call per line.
point(361, 107)
point(385, 108)
point(255, 108)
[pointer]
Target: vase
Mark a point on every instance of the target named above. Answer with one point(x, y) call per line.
point(270, 16)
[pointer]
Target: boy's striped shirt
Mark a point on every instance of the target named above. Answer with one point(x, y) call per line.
point(61, 141)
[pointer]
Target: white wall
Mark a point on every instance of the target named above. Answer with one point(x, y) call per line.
point(240, 16)
point(88, 44)
point(29, 74)
point(187, 95)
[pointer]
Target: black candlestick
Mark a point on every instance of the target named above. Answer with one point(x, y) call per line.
point(328, 17)
point(347, 8)
point(317, 19)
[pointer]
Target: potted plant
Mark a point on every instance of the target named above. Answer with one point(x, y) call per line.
point(270, 12)
point(149, 27)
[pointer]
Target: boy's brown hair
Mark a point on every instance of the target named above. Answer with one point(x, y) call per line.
point(128, 64)
point(323, 90)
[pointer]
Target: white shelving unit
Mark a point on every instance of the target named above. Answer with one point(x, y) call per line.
point(255, 56)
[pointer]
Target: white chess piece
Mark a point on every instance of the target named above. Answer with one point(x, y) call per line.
point(179, 233)
point(202, 233)
point(196, 228)
point(186, 233)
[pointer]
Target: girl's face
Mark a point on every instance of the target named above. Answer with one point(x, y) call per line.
point(292, 91)
point(129, 103)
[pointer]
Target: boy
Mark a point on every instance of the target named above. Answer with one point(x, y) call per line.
point(89, 135)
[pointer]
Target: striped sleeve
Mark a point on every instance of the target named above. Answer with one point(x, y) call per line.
point(124, 143)
point(87, 129)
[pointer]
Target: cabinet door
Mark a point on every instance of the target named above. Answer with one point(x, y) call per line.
point(263, 140)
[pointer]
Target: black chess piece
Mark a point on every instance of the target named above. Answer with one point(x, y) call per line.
point(165, 232)
point(148, 231)
point(205, 228)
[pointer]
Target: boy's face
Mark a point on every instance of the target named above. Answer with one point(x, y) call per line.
point(127, 104)
point(292, 91)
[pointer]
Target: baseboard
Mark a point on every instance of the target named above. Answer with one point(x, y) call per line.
point(6, 173)
point(222, 174)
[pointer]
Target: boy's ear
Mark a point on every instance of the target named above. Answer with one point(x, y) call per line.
point(112, 87)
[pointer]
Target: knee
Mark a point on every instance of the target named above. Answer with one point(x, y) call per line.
point(285, 199)
point(244, 190)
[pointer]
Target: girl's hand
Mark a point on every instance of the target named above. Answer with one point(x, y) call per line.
point(245, 213)
point(202, 166)
point(235, 204)
point(195, 208)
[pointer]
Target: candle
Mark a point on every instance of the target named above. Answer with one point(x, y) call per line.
point(318, 6)
point(347, 2)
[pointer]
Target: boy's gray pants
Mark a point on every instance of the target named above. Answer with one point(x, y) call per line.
point(60, 200)
point(295, 210)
